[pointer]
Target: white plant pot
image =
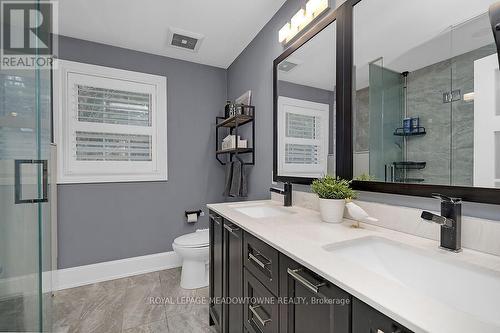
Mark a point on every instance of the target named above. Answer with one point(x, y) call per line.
point(332, 210)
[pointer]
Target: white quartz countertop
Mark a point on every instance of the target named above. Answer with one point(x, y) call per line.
point(302, 236)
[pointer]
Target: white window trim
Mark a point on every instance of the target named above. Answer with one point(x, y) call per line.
point(111, 171)
point(302, 170)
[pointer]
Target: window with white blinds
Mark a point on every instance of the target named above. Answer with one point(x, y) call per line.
point(302, 154)
point(101, 105)
point(111, 124)
point(94, 146)
point(301, 126)
point(302, 137)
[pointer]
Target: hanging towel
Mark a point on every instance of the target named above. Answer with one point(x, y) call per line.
point(228, 179)
point(238, 181)
point(244, 182)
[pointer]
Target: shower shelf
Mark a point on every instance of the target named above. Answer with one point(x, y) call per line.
point(409, 180)
point(410, 165)
point(401, 132)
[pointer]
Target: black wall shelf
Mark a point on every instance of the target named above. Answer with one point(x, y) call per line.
point(410, 165)
point(401, 132)
point(234, 151)
point(233, 123)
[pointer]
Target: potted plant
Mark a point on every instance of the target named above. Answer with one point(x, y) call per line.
point(332, 193)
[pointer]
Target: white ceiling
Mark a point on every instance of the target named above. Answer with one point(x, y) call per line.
point(228, 26)
point(408, 34)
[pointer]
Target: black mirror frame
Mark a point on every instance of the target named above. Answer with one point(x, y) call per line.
point(344, 133)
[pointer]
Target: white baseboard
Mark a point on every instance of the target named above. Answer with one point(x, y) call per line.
point(88, 274)
point(110, 270)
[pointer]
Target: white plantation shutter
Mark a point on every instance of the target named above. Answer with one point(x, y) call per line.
point(93, 146)
point(117, 107)
point(110, 106)
point(112, 124)
point(307, 129)
point(303, 137)
point(302, 154)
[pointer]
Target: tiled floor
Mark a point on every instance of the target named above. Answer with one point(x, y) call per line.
point(126, 306)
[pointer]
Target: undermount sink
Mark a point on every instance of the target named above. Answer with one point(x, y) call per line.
point(465, 287)
point(262, 210)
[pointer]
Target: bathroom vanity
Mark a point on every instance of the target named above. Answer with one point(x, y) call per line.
point(295, 273)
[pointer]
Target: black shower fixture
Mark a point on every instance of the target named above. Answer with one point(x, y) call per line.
point(495, 25)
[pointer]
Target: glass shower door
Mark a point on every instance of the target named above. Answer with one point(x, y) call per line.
point(25, 239)
point(385, 104)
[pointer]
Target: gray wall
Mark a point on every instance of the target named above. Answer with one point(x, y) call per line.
point(101, 222)
point(253, 70)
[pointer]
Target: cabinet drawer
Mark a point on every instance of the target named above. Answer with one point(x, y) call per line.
point(318, 303)
point(262, 261)
point(366, 319)
point(261, 311)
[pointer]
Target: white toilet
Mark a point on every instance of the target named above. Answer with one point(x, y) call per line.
point(193, 249)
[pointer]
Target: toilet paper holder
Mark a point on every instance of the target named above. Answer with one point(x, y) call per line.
point(198, 212)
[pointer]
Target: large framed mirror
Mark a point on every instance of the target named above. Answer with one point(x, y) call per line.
point(422, 95)
point(305, 108)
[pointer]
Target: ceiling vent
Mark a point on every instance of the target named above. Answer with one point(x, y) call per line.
point(287, 65)
point(185, 40)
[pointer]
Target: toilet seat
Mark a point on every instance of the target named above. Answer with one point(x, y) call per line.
point(193, 240)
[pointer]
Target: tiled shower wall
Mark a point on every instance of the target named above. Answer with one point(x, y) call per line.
point(450, 126)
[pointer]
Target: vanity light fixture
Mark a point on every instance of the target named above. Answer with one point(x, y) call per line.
point(315, 7)
point(298, 20)
point(301, 19)
point(469, 97)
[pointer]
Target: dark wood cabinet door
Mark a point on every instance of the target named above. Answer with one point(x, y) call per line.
point(261, 311)
point(262, 261)
point(233, 278)
point(366, 319)
point(309, 303)
point(216, 270)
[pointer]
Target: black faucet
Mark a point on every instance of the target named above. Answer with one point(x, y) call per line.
point(286, 192)
point(450, 221)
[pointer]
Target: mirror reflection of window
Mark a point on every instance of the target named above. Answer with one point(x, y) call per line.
point(306, 108)
point(418, 100)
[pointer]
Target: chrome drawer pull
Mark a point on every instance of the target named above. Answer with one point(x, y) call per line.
point(257, 261)
point(216, 219)
point(314, 287)
point(253, 308)
point(231, 229)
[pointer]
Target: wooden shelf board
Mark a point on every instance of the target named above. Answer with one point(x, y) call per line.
point(234, 151)
point(240, 119)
